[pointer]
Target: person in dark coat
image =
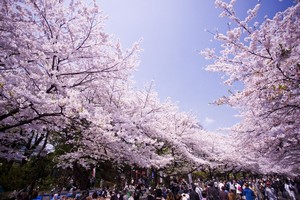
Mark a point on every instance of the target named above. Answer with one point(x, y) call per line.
point(212, 192)
point(223, 194)
point(193, 194)
point(158, 195)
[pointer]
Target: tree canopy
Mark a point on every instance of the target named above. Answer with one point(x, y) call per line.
point(265, 59)
point(66, 86)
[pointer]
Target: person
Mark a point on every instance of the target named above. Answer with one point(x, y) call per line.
point(55, 196)
point(232, 186)
point(151, 195)
point(220, 185)
point(130, 197)
point(204, 192)
point(170, 195)
point(185, 196)
point(178, 196)
point(223, 194)
point(248, 193)
point(158, 195)
point(73, 193)
point(290, 189)
point(84, 195)
point(239, 190)
point(137, 194)
point(126, 195)
point(114, 196)
point(254, 187)
point(212, 192)
point(193, 194)
point(175, 186)
point(270, 192)
point(231, 194)
point(198, 190)
point(95, 195)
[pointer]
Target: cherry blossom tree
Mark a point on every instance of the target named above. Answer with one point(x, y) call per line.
point(135, 129)
point(65, 82)
point(52, 52)
point(63, 79)
point(130, 127)
point(265, 59)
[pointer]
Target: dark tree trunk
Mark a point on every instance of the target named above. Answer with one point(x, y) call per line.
point(210, 171)
point(81, 177)
point(30, 192)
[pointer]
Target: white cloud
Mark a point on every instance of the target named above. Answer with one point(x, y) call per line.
point(208, 121)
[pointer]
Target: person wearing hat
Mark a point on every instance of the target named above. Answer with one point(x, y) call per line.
point(248, 193)
point(270, 192)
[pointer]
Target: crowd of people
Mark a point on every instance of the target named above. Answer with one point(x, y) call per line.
point(254, 189)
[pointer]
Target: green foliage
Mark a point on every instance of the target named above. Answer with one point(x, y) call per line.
point(18, 175)
point(12, 177)
point(201, 174)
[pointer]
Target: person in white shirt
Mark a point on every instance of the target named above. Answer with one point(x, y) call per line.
point(270, 192)
point(290, 189)
point(199, 190)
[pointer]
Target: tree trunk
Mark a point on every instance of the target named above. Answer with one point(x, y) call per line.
point(30, 193)
point(81, 177)
point(210, 173)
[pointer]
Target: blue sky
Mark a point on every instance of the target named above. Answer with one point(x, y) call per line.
point(173, 34)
